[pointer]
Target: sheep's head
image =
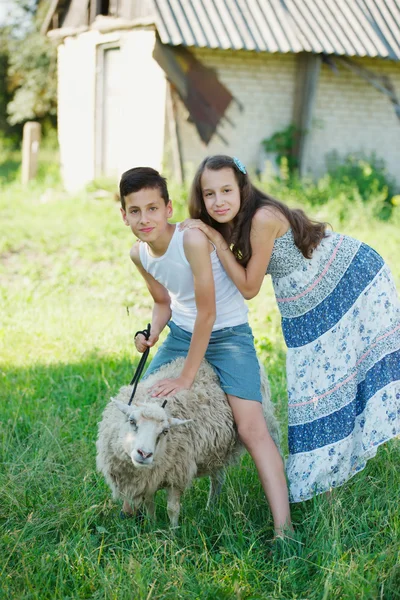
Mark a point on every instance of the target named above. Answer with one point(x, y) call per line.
point(148, 427)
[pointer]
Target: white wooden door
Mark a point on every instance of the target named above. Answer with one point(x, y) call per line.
point(111, 118)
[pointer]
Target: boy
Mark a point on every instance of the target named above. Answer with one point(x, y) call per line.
point(209, 319)
point(180, 269)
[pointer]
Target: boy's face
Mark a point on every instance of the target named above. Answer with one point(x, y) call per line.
point(146, 214)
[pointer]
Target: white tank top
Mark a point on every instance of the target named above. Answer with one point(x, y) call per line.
point(173, 271)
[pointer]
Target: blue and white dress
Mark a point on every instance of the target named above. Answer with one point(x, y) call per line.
point(341, 323)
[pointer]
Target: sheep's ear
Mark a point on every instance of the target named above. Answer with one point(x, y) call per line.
point(174, 422)
point(123, 407)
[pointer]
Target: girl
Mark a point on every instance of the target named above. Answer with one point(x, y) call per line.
point(340, 320)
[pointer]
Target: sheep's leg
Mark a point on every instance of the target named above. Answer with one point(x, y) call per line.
point(127, 509)
point(173, 505)
point(131, 508)
point(216, 482)
point(150, 507)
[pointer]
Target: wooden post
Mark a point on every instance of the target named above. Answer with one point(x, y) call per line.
point(178, 170)
point(308, 69)
point(30, 150)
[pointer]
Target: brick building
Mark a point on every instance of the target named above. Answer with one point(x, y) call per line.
point(158, 82)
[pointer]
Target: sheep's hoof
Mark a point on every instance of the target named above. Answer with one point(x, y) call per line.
point(138, 515)
point(123, 515)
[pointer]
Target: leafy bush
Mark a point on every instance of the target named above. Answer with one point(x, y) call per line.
point(368, 174)
point(356, 180)
point(282, 143)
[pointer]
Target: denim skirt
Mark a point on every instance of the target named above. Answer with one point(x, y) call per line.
point(230, 352)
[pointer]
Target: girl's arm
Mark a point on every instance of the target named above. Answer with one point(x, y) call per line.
point(197, 251)
point(161, 308)
point(265, 228)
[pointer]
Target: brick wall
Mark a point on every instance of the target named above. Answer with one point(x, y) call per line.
point(264, 84)
point(350, 115)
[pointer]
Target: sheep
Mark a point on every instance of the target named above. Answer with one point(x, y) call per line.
point(144, 447)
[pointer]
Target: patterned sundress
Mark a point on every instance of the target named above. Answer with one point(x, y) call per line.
point(341, 323)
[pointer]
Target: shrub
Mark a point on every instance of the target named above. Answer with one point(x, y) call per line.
point(368, 175)
point(354, 181)
point(282, 144)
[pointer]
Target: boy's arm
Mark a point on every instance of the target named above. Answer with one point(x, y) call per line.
point(162, 304)
point(197, 251)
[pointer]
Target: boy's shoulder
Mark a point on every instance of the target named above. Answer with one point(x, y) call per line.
point(194, 238)
point(196, 246)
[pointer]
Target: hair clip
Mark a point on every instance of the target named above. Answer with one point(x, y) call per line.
point(240, 165)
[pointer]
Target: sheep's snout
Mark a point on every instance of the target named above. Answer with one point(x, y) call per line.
point(144, 454)
point(142, 458)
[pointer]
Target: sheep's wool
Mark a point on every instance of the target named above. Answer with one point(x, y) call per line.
point(202, 447)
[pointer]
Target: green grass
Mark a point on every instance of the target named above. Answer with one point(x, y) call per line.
point(71, 303)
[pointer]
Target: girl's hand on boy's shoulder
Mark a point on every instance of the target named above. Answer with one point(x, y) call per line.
point(170, 387)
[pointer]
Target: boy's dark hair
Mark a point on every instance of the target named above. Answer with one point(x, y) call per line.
point(141, 178)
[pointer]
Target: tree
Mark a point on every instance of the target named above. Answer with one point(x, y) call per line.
point(30, 62)
point(6, 130)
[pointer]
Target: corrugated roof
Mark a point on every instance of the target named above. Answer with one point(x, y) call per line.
point(342, 27)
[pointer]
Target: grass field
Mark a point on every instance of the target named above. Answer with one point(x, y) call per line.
point(70, 304)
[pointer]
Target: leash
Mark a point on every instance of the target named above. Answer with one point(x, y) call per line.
point(142, 362)
point(139, 370)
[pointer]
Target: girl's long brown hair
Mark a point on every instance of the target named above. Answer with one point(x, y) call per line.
point(307, 234)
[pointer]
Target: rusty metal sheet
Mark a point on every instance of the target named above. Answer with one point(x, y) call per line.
point(198, 86)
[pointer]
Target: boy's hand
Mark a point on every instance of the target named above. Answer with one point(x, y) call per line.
point(142, 344)
point(169, 387)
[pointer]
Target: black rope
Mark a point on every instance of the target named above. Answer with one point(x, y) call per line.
point(142, 362)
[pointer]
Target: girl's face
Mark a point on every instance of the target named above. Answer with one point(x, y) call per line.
point(221, 194)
